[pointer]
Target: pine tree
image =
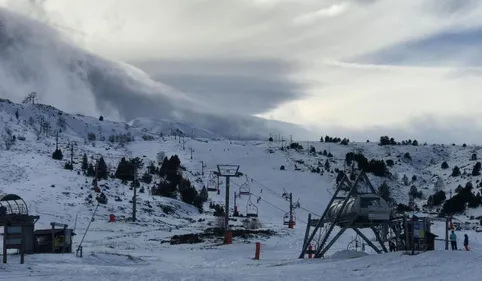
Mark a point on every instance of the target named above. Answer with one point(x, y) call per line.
point(204, 194)
point(90, 170)
point(85, 162)
point(456, 171)
point(102, 169)
point(476, 169)
point(57, 155)
point(384, 191)
point(445, 165)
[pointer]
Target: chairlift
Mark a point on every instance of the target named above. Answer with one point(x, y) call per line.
point(212, 183)
point(251, 209)
point(244, 188)
point(285, 195)
point(297, 204)
point(286, 219)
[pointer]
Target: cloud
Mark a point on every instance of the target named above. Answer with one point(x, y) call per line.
point(458, 48)
point(33, 57)
point(353, 64)
point(233, 86)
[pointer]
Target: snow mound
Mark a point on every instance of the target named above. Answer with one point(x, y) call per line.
point(348, 254)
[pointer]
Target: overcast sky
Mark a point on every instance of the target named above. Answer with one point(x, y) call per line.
point(359, 68)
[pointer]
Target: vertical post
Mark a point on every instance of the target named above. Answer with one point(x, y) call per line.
point(218, 184)
point(53, 237)
point(226, 210)
point(310, 253)
point(290, 225)
point(407, 242)
point(235, 206)
point(65, 239)
point(22, 246)
point(5, 234)
point(307, 232)
point(258, 251)
point(134, 198)
point(446, 233)
point(72, 153)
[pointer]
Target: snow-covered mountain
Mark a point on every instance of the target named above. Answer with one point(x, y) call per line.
point(123, 250)
point(34, 57)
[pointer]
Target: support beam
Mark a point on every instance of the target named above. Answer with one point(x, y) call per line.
point(336, 219)
point(320, 222)
point(370, 243)
point(379, 239)
point(321, 251)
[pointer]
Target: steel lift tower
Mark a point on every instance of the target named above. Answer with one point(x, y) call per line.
point(350, 207)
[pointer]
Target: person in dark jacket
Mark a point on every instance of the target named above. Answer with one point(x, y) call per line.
point(466, 242)
point(453, 240)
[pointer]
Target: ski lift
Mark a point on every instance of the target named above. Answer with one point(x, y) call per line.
point(286, 219)
point(244, 188)
point(297, 204)
point(212, 184)
point(285, 195)
point(251, 209)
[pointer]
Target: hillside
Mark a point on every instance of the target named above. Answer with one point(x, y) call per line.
point(125, 249)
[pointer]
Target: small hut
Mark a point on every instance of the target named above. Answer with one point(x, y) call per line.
point(54, 240)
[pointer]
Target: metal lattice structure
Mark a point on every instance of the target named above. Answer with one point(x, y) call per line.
point(12, 204)
point(355, 205)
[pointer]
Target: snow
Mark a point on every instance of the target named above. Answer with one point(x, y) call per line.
point(126, 250)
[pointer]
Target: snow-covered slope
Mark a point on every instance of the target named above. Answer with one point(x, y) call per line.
point(124, 250)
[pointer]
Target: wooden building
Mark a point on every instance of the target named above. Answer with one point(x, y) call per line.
point(53, 240)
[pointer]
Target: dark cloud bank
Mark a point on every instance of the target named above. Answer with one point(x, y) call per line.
point(34, 57)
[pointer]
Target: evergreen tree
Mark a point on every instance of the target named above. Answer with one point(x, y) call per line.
point(456, 171)
point(384, 192)
point(476, 169)
point(102, 172)
point(57, 155)
point(85, 162)
point(90, 171)
point(124, 171)
point(445, 165)
point(204, 194)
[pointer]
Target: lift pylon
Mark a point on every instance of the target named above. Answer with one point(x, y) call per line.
point(349, 208)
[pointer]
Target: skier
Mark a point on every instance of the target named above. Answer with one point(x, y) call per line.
point(466, 242)
point(453, 240)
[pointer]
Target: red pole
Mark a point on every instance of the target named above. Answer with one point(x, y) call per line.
point(310, 248)
point(258, 250)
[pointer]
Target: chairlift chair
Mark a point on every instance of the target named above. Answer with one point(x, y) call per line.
point(251, 209)
point(244, 188)
point(212, 184)
point(286, 219)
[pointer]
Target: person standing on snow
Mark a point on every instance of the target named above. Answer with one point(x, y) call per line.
point(453, 240)
point(466, 242)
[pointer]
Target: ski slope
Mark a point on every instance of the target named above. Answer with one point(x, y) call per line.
point(126, 250)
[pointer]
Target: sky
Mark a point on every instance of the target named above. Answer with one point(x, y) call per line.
point(356, 68)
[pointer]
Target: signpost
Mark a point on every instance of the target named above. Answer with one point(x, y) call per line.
point(13, 238)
